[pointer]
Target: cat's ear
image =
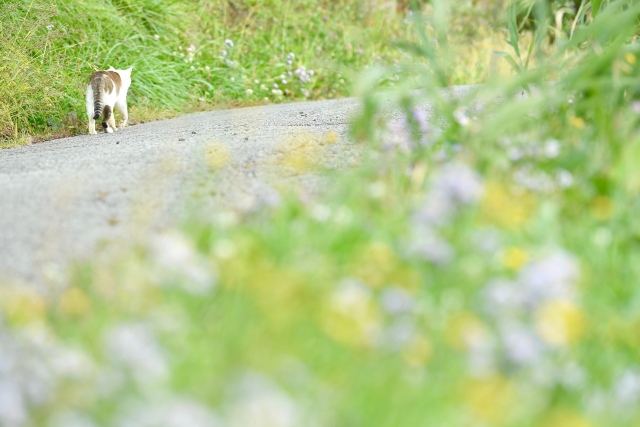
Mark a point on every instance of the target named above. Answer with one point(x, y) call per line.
point(111, 69)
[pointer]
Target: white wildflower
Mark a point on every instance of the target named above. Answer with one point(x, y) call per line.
point(134, 346)
point(377, 190)
point(503, 297)
point(303, 75)
point(532, 179)
point(269, 196)
point(249, 92)
point(399, 333)
point(459, 182)
point(396, 300)
point(13, 409)
point(71, 419)
point(320, 213)
point(174, 253)
point(421, 118)
point(602, 237)
point(427, 244)
point(626, 389)
point(343, 216)
point(437, 209)
point(522, 346)
point(487, 240)
point(552, 148)
point(460, 115)
point(397, 136)
point(224, 249)
point(228, 43)
point(564, 178)
point(553, 276)
point(353, 298)
point(257, 402)
point(573, 376)
point(173, 412)
point(515, 153)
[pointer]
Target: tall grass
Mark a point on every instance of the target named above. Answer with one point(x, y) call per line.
point(180, 58)
point(29, 67)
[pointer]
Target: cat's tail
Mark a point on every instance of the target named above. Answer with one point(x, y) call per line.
point(106, 114)
point(97, 85)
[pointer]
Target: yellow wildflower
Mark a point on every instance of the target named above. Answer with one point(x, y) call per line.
point(564, 418)
point(75, 302)
point(351, 316)
point(601, 208)
point(465, 330)
point(217, 154)
point(22, 306)
point(375, 264)
point(508, 209)
point(331, 137)
point(300, 152)
point(577, 122)
point(560, 322)
point(490, 399)
point(630, 58)
point(418, 351)
point(514, 258)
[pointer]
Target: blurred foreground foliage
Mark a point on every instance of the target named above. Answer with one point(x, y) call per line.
point(478, 268)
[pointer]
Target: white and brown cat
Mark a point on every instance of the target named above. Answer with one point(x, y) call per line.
point(106, 90)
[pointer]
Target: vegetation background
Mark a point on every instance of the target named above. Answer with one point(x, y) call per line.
point(183, 62)
point(479, 269)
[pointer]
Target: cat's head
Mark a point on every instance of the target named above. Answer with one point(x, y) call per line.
point(125, 75)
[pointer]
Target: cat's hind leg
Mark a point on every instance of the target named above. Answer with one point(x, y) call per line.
point(108, 121)
point(92, 126)
point(112, 122)
point(124, 115)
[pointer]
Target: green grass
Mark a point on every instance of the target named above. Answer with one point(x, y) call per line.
point(480, 274)
point(177, 49)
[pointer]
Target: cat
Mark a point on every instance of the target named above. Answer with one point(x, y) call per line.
point(106, 90)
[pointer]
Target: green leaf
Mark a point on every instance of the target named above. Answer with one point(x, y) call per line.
point(513, 27)
point(595, 7)
point(509, 59)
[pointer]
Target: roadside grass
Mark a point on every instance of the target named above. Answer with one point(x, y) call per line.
point(199, 55)
point(477, 269)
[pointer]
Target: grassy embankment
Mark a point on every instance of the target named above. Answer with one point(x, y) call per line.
point(179, 54)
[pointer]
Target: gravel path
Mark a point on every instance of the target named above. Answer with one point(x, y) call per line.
point(60, 199)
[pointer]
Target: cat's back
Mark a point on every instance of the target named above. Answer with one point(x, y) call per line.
point(105, 80)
